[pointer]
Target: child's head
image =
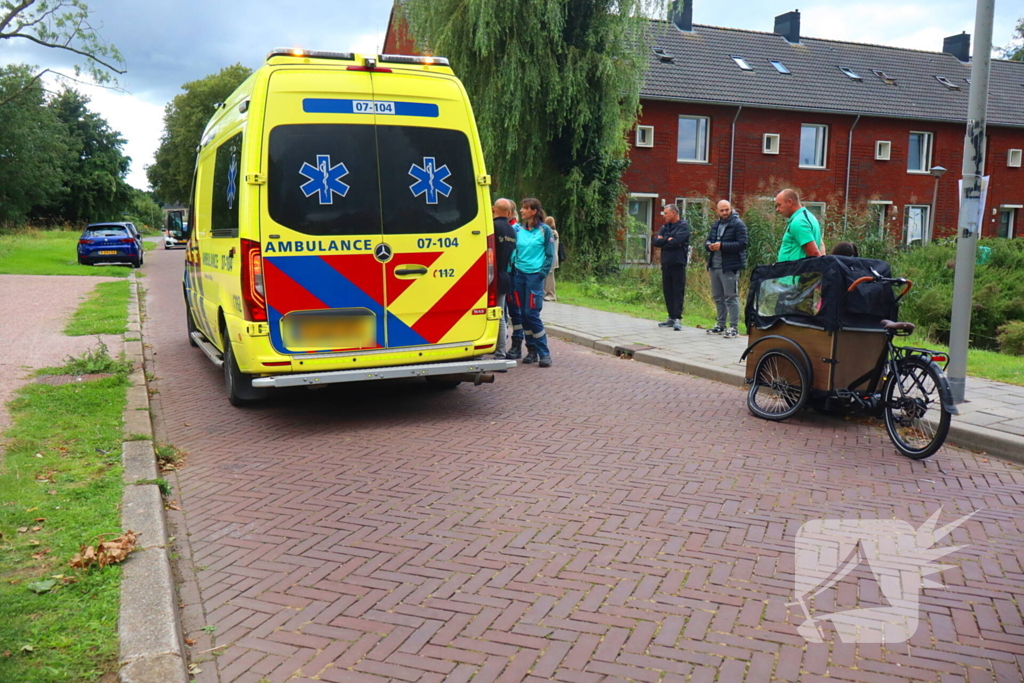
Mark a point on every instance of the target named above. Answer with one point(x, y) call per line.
point(845, 249)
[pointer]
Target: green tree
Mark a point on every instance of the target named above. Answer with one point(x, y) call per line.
point(144, 211)
point(185, 118)
point(555, 87)
point(1014, 51)
point(95, 178)
point(62, 25)
point(34, 147)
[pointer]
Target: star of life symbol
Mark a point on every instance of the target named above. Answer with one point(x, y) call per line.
point(324, 179)
point(233, 181)
point(430, 180)
point(899, 558)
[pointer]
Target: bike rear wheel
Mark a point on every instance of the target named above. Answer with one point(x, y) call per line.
point(780, 387)
point(914, 416)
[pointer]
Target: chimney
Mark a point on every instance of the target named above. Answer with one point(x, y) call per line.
point(958, 46)
point(788, 26)
point(680, 13)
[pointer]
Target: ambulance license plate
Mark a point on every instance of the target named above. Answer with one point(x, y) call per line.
point(330, 330)
point(111, 252)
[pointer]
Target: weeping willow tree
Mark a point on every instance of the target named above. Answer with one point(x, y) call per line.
point(555, 87)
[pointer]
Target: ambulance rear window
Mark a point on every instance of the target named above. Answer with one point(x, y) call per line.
point(322, 179)
point(428, 183)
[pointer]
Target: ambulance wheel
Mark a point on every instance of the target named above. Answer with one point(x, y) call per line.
point(191, 326)
point(441, 382)
point(241, 392)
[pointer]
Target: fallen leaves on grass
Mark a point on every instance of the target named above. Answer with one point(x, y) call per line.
point(105, 552)
point(40, 587)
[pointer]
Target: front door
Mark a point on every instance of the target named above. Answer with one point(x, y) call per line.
point(1007, 217)
point(638, 233)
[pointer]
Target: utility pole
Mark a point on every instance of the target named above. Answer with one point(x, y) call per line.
point(970, 223)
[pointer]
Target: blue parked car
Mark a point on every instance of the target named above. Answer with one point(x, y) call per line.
point(110, 243)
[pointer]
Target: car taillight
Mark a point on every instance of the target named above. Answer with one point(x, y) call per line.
point(84, 241)
point(492, 273)
point(126, 240)
point(253, 293)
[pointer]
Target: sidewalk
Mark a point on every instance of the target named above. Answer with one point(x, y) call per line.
point(991, 419)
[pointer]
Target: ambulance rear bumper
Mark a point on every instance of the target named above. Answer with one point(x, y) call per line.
point(473, 367)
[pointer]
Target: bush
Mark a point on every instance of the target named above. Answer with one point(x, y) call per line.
point(1011, 338)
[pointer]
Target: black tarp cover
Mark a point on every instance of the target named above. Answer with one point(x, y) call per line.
point(812, 292)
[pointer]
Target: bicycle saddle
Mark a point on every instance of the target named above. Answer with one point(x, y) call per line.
point(890, 325)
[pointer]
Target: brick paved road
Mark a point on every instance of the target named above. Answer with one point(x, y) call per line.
point(599, 521)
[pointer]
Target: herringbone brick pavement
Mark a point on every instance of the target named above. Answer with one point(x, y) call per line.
point(600, 520)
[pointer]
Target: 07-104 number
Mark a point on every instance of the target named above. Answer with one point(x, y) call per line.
point(441, 242)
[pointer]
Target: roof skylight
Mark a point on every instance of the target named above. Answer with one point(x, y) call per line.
point(886, 78)
point(742, 63)
point(663, 55)
point(779, 66)
point(850, 72)
point(948, 83)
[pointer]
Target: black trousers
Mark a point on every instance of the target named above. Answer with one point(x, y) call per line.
point(673, 284)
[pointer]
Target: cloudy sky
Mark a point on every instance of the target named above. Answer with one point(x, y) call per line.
point(166, 44)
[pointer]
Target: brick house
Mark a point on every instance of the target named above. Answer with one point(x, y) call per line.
point(738, 114)
point(730, 113)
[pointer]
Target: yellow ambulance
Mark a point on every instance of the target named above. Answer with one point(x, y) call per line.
point(338, 228)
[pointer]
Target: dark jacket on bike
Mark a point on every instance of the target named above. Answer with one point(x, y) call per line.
point(732, 233)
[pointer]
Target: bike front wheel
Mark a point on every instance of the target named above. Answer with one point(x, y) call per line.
point(914, 416)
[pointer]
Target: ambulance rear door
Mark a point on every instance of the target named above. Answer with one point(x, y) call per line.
point(321, 218)
point(436, 277)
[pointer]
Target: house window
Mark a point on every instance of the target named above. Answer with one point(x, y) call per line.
point(879, 214)
point(1013, 158)
point(693, 208)
point(915, 224)
point(693, 139)
point(850, 73)
point(883, 149)
point(770, 145)
point(645, 136)
point(742, 63)
point(638, 232)
point(818, 209)
point(813, 141)
point(919, 155)
point(1007, 221)
point(779, 66)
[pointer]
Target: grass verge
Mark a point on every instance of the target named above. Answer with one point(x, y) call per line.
point(104, 312)
point(620, 296)
point(60, 488)
point(48, 252)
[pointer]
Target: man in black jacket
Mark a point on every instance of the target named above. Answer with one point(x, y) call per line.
point(505, 244)
point(726, 248)
point(674, 241)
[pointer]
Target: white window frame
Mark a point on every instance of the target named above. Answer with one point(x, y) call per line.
point(707, 140)
point(822, 205)
point(684, 203)
point(770, 143)
point(1013, 158)
point(883, 150)
point(742, 63)
point(925, 237)
point(1014, 211)
point(645, 136)
point(930, 143)
point(884, 215)
point(650, 225)
point(820, 147)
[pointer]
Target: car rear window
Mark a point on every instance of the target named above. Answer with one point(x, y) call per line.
point(111, 231)
point(427, 179)
point(322, 179)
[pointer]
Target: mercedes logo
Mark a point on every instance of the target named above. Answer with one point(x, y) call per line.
point(382, 253)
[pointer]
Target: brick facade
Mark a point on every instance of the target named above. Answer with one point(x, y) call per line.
point(654, 170)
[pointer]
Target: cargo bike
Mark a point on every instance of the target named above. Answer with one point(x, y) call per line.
point(822, 335)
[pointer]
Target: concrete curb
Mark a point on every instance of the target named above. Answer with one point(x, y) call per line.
point(1000, 445)
point(151, 646)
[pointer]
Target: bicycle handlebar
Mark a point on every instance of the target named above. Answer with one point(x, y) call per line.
point(907, 284)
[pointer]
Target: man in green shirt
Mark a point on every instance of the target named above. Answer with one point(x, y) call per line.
point(803, 236)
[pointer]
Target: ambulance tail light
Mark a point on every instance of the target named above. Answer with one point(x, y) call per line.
point(253, 292)
point(492, 273)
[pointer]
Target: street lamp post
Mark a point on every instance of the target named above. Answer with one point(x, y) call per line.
point(938, 172)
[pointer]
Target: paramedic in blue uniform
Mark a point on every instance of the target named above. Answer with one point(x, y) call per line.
point(535, 253)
